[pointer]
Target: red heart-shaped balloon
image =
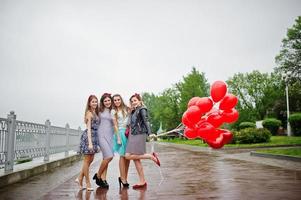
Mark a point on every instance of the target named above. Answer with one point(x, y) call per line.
point(193, 101)
point(228, 102)
point(218, 90)
point(205, 130)
point(193, 114)
point(203, 119)
point(190, 133)
point(217, 143)
point(230, 116)
point(215, 119)
point(205, 104)
point(227, 135)
point(186, 122)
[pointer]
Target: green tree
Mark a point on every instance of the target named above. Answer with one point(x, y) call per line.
point(257, 93)
point(194, 84)
point(167, 107)
point(289, 58)
point(150, 101)
point(163, 109)
point(295, 96)
point(168, 111)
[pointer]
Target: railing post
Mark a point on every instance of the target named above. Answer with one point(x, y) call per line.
point(79, 134)
point(10, 141)
point(79, 131)
point(67, 140)
point(47, 141)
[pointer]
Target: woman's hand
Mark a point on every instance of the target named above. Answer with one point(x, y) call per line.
point(151, 136)
point(90, 146)
point(118, 140)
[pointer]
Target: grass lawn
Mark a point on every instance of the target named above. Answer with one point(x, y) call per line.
point(275, 140)
point(196, 142)
point(296, 152)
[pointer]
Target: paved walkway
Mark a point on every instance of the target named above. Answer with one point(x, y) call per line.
point(187, 173)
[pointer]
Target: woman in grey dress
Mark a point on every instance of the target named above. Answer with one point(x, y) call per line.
point(105, 135)
point(140, 128)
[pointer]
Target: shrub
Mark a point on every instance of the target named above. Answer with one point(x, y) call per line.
point(295, 122)
point(272, 125)
point(234, 138)
point(244, 125)
point(23, 159)
point(251, 136)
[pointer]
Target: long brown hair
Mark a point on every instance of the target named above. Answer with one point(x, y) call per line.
point(103, 97)
point(123, 107)
point(88, 107)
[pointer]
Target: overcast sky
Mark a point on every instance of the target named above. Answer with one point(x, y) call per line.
point(54, 53)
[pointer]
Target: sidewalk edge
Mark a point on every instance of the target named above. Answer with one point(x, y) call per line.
point(275, 156)
point(16, 176)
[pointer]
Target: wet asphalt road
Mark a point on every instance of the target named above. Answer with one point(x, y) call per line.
point(186, 173)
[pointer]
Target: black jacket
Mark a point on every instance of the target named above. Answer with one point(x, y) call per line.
point(139, 121)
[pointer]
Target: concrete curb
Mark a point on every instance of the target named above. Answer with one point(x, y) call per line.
point(275, 156)
point(263, 147)
point(16, 176)
point(233, 148)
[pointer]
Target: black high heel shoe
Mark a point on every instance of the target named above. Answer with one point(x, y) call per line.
point(100, 182)
point(106, 183)
point(123, 184)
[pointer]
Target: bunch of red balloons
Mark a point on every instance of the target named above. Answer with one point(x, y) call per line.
point(205, 115)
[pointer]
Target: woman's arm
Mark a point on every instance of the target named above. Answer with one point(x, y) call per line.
point(144, 116)
point(115, 126)
point(89, 119)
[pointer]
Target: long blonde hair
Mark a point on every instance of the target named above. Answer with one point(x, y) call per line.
point(124, 108)
point(88, 107)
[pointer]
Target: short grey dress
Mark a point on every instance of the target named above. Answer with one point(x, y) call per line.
point(136, 143)
point(105, 133)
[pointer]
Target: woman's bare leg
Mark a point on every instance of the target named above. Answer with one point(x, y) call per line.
point(139, 169)
point(104, 174)
point(127, 165)
point(103, 166)
point(87, 161)
point(122, 168)
point(129, 156)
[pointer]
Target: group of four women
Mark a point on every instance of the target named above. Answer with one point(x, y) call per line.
point(107, 124)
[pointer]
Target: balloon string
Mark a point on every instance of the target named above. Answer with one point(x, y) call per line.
point(152, 146)
point(159, 168)
point(161, 175)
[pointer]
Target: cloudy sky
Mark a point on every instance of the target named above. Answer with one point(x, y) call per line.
point(54, 53)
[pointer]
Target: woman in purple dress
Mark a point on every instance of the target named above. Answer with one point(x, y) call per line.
point(105, 135)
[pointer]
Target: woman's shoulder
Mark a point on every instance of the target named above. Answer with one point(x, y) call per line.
point(89, 115)
point(142, 108)
point(113, 111)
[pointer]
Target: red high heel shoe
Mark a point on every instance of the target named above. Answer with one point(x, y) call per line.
point(157, 159)
point(139, 186)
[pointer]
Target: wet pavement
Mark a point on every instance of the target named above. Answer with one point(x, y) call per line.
point(187, 173)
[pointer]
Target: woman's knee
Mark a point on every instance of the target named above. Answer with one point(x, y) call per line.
point(108, 159)
point(91, 159)
point(127, 156)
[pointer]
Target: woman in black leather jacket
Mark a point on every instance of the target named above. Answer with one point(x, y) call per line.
point(139, 129)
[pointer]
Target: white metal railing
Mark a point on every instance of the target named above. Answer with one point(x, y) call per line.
point(19, 139)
